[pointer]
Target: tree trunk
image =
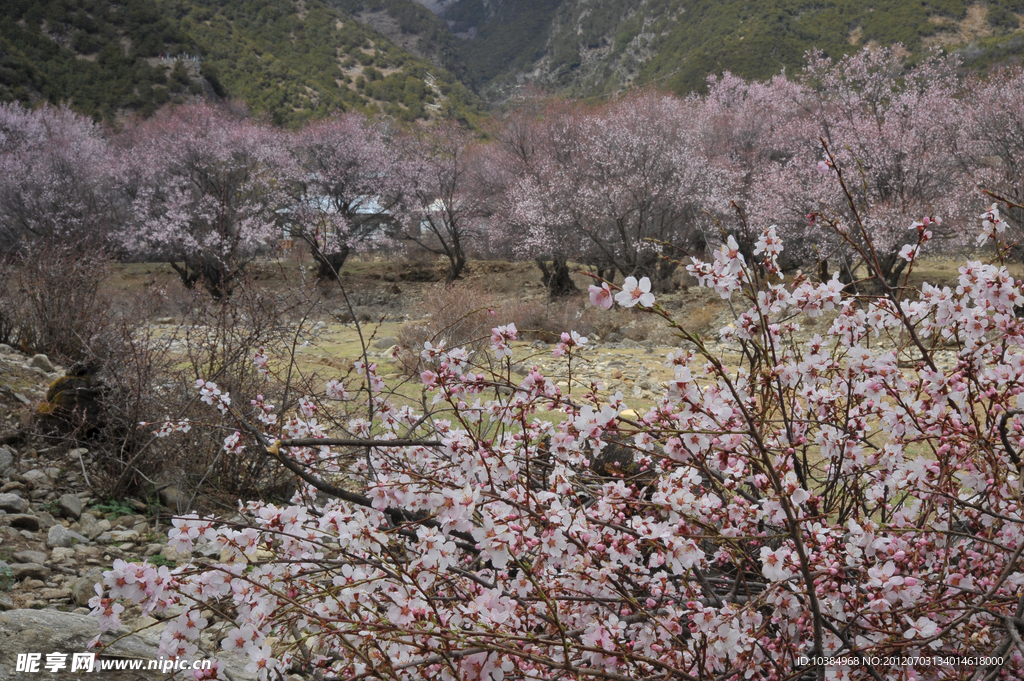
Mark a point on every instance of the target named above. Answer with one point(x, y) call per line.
point(328, 265)
point(456, 263)
point(188, 278)
point(663, 272)
point(212, 275)
point(557, 278)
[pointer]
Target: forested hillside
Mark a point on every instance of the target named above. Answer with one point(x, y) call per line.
point(294, 60)
point(288, 60)
point(586, 48)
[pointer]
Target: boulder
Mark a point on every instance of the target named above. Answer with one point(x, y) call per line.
point(12, 503)
point(41, 362)
point(173, 498)
point(73, 402)
point(91, 527)
point(52, 631)
point(36, 477)
point(70, 506)
point(30, 557)
point(84, 588)
point(46, 521)
point(30, 571)
point(6, 459)
point(63, 537)
point(170, 553)
point(118, 537)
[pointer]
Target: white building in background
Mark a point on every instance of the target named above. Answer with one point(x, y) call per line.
point(367, 210)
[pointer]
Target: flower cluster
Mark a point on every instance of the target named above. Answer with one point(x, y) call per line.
point(851, 494)
point(211, 394)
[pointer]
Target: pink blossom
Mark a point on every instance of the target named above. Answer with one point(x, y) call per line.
point(501, 336)
point(601, 296)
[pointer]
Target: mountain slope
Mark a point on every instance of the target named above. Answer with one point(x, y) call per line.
point(411, 26)
point(290, 60)
point(585, 47)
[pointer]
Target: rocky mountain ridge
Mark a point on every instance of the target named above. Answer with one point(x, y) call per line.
point(593, 47)
point(293, 60)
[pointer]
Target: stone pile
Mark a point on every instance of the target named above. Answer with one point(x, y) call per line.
point(56, 540)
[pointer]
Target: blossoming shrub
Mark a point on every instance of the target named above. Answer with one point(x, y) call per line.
point(853, 495)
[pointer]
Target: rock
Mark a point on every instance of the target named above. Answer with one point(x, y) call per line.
point(36, 477)
point(172, 497)
point(23, 521)
point(385, 342)
point(73, 402)
point(63, 537)
point(84, 588)
point(125, 521)
point(118, 537)
point(170, 553)
point(86, 551)
point(29, 571)
point(12, 503)
point(41, 362)
point(70, 506)
point(6, 349)
point(6, 603)
point(6, 459)
point(87, 525)
point(30, 557)
point(165, 320)
point(52, 631)
point(91, 527)
point(62, 555)
point(54, 594)
point(342, 315)
point(46, 521)
point(207, 551)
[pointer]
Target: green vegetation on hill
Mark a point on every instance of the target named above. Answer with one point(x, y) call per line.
point(508, 40)
point(756, 40)
point(431, 36)
point(585, 48)
point(290, 61)
point(93, 54)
